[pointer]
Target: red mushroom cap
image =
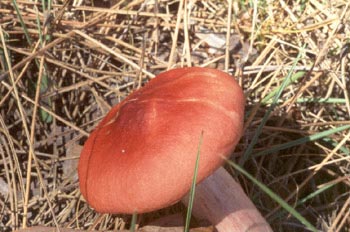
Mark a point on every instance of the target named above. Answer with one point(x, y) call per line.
point(141, 157)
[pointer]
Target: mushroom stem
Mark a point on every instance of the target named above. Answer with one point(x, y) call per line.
point(222, 201)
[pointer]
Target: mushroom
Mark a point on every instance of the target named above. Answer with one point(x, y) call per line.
point(141, 157)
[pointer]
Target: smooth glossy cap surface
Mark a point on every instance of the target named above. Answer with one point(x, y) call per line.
point(141, 157)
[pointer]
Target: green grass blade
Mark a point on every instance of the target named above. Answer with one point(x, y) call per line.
point(255, 138)
point(314, 100)
point(44, 84)
point(330, 100)
point(44, 116)
point(193, 187)
point(333, 143)
point(303, 200)
point(19, 15)
point(314, 194)
point(38, 24)
point(275, 197)
point(289, 81)
point(43, 5)
point(302, 140)
point(133, 222)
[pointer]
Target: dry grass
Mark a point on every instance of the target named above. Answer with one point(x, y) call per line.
point(88, 55)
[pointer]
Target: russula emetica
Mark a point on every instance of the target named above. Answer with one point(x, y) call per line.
point(141, 157)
